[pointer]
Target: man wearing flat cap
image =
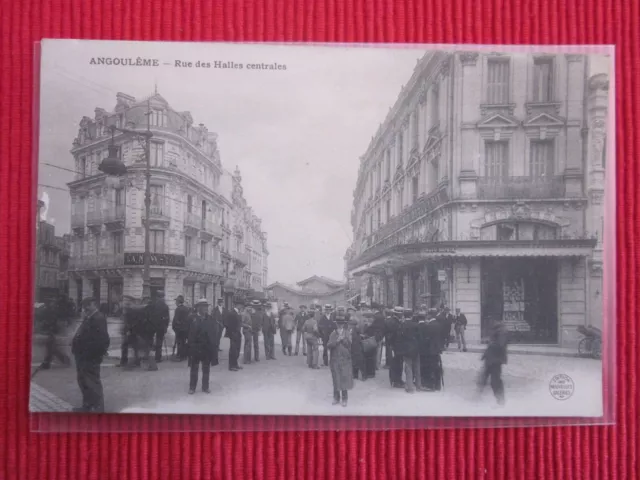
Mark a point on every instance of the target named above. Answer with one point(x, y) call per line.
point(89, 345)
point(202, 343)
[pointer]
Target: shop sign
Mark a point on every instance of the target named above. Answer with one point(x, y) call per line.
point(158, 259)
point(442, 275)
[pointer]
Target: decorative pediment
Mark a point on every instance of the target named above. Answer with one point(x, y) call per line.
point(543, 119)
point(498, 120)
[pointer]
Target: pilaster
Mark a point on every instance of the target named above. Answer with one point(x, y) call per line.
point(471, 94)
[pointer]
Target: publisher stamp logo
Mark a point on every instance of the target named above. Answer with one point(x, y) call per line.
point(561, 387)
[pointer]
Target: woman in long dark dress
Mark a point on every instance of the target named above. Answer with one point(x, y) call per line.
point(374, 330)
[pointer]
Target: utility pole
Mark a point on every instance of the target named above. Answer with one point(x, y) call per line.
point(146, 274)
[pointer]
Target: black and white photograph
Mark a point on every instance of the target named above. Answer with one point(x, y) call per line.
point(331, 230)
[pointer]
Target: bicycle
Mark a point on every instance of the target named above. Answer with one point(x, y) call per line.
point(591, 344)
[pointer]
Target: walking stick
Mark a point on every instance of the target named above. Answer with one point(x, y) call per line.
point(441, 372)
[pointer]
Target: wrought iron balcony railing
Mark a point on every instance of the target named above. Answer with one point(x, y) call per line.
point(116, 214)
point(205, 266)
point(526, 187)
point(77, 220)
point(94, 217)
point(212, 228)
point(192, 220)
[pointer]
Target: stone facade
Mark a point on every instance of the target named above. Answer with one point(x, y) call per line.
point(52, 261)
point(488, 156)
point(189, 217)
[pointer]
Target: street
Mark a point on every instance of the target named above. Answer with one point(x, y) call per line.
point(286, 386)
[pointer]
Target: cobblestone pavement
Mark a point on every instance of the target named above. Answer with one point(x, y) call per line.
point(287, 386)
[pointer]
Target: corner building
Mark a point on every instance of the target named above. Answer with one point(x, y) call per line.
point(483, 189)
point(189, 216)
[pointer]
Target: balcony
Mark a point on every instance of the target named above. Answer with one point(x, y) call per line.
point(77, 221)
point(192, 222)
point(158, 215)
point(204, 266)
point(517, 188)
point(114, 218)
point(210, 229)
point(423, 205)
point(94, 218)
point(241, 258)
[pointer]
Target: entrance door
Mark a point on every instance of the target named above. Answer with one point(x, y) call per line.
point(400, 283)
point(157, 284)
point(114, 297)
point(78, 295)
point(521, 292)
point(95, 289)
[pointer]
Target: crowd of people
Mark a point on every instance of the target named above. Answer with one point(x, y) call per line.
point(353, 341)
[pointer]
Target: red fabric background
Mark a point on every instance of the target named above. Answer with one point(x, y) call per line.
point(549, 453)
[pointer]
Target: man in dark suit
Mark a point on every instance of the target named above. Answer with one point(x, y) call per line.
point(326, 325)
point(459, 326)
point(220, 316)
point(89, 346)
point(202, 343)
point(159, 317)
point(180, 327)
point(233, 332)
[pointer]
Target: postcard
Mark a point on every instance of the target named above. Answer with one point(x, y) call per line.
point(341, 230)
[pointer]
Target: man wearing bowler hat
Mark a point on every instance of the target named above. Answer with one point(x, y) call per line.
point(202, 344)
point(89, 346)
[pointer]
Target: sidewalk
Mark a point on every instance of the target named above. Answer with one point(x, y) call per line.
point(515, 349)
point(42, 400)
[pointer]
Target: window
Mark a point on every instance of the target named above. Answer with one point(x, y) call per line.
point(388, 165)
point(507, 232)
point(189, 204)
point(371, 223)
point(401, 198)
point(157, 197)
point(435, 106)
point(96, 244)
point(400, 147)
point(187, 246)
point(498, 82)
point(203, 207)
point(379, 217)
point(117, 242)
point(496, 159)
point(541, 160)
point(414, 188)
point(203, 250)
point(415, 130)
point(388, 209)
point(82, 167)
point(156, 241)
point(542, 80)
point(158, 118)
point(119, 197)
point(157, 154)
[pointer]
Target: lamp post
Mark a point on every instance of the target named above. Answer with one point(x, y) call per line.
point(114, 166)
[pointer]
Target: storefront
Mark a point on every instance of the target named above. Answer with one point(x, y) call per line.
point(523, 293)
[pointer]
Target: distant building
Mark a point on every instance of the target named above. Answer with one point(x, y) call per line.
point(52, 262)
point(313, 290)
point(483, 189)
point(190, 219)
point(244, 244)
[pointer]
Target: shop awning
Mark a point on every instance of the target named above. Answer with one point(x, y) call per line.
point(404, 255)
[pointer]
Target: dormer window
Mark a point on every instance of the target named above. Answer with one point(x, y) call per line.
point(158, 118)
